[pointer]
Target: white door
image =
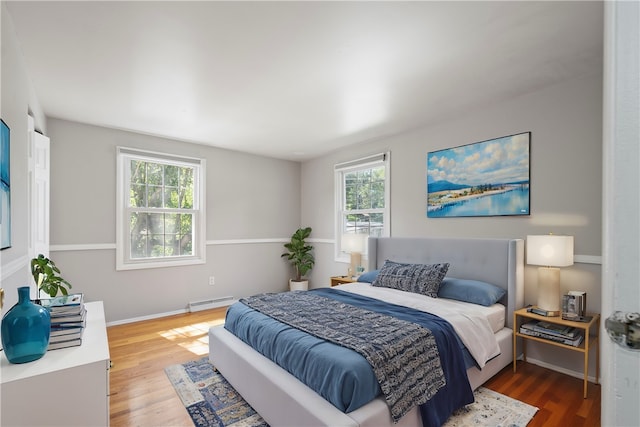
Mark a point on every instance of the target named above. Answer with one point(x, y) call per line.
point(621, 199)
point(39, 161)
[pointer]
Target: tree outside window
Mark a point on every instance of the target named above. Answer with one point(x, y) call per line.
point(161, 211)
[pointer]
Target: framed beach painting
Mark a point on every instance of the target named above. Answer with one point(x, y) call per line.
point(5, 188)
point(487, 178)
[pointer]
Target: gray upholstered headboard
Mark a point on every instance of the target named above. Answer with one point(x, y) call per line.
point(497, 261)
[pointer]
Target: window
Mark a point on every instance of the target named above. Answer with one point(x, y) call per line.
point(362, 199)
point(160, 210)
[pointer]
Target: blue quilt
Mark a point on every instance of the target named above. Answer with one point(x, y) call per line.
point(404, 355)
point(342, 376)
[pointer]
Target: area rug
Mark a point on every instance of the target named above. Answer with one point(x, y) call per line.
point(212, 401)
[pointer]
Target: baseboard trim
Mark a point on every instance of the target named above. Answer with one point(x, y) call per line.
point(579, 375)
point(148, 317)
point(156, 316)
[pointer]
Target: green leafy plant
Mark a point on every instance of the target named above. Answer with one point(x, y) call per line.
point(299, 253)
point(45, 274)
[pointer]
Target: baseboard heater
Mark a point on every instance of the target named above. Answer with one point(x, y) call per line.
point(211, 303)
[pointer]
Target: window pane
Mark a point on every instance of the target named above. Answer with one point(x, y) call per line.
point(186, 177)
point(138, 172)
point(377, 188)
point(171, 245)
point(349, 224)
point(186, 224)
point(364, 189)
point(357, 223)
point(156, 223)
point(171, 197)
point(171, 175)
point(154, 196)
point(138, 231)
point(186, 244)
point(156, 245)
point(363, 199)
point(377, 195)
point(161, 235)
point(154, 173)
point(376, 224)
point(138, 195)
point(139, 247)
point(186, 197)
point(171, 222)
point(351, 197)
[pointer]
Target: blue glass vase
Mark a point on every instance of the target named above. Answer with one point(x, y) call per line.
point(25, 330)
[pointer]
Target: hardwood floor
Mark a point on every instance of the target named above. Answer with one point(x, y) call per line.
point(141, 394)
point(558, 396)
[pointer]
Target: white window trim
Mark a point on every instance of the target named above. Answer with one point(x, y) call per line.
point(199, 218)
point(362, 163)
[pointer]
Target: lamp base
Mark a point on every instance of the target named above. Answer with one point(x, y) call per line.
point(356, 261)
point(549, 289)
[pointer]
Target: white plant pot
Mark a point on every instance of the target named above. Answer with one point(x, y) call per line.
point(303, 285)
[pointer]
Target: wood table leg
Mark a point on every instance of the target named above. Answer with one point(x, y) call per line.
point(586, 362)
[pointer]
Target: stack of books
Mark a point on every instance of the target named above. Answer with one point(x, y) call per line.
point(550, 331)
point(68, 320)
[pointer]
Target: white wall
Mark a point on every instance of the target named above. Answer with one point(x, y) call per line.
point(566, 125)
point(17, 99)
point(253, 204)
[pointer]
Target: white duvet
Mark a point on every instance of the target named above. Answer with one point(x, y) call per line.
point(472, 326)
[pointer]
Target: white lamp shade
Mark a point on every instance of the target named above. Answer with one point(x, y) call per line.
point(353, 243)
point(550, 250)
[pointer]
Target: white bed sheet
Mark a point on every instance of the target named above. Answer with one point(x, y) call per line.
point(470, 323)
point(495, 313)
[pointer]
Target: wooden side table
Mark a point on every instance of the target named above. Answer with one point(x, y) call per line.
point(339, 280)
point(590, 330)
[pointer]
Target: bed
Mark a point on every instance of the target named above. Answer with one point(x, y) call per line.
point(283, 400)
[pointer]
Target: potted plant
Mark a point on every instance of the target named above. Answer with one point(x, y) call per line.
point(300, 254)
point(45, 274)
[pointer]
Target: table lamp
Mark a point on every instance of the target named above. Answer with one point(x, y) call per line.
point(354, 244)
point(549, 252)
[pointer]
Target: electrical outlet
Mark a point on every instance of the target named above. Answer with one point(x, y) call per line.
point(212, 280)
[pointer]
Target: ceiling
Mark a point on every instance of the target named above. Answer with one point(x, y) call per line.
point(295, 80)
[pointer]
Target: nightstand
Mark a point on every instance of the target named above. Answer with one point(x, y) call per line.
point(339, 280)
point(590, 330)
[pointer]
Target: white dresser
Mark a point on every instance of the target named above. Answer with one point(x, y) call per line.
point(66, 387)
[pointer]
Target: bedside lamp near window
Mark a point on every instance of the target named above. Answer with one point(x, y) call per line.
point(549, 252)
point(354, 244)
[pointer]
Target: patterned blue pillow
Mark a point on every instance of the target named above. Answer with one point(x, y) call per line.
point(417, 278)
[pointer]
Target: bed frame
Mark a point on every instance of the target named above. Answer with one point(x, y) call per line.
point(282, 400)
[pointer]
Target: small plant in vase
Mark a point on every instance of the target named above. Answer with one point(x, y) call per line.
point(46, 275)
point(299, 253)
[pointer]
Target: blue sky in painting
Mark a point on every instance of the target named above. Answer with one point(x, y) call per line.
point(496, 161)
point(4, 154)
